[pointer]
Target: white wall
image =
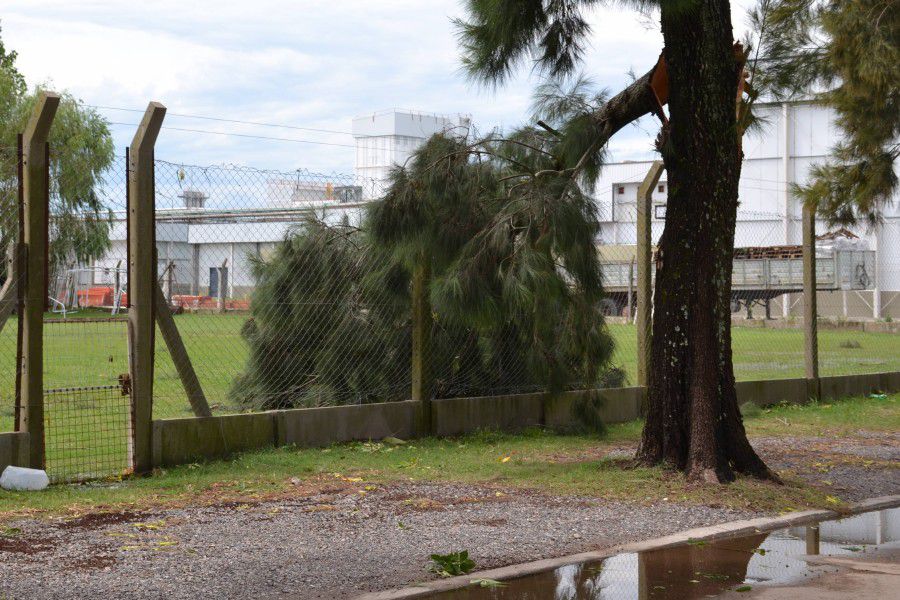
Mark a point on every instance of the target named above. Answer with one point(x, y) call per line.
point(388, 138)
point(240, 275)
point(768, 214)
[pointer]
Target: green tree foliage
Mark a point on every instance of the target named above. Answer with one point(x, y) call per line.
point(510, 245)
point(515, 285)
point(323, 332)
point(845, 54)
point(81, 150)
point(500, 34)
point(693, 422)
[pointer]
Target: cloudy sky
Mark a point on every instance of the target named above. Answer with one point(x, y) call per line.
point(303, 63)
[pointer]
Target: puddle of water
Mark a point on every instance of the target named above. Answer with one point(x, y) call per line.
point(697, 570)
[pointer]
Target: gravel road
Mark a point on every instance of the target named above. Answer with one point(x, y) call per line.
point(335, 539)
point(331, 544)
point(861, 466)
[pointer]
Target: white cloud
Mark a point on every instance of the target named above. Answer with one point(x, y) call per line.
point(308, 63)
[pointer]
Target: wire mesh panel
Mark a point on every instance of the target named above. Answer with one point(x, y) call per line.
point(87, 404)
point(767, 276)
point(767, 340)
point(277, 291)
point(88, 432)
point(281, 299)
point(87, 407)
point(858, 330)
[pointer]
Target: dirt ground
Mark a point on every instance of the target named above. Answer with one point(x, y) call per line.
point(861, 466)
point(333, 540)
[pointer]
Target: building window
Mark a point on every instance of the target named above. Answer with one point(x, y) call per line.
point(661, 189)
point(621, 189)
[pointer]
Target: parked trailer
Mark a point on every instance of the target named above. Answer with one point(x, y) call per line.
point(759, 274)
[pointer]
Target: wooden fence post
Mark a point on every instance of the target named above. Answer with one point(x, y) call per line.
point(421, 351)
point(36, 193)
point(812, 539)
point(643, 319)
point(810, 309)
point(180, 357)
point(142, 283)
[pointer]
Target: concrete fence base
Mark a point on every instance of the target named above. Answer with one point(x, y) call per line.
point(179, 441)
point(14, 449)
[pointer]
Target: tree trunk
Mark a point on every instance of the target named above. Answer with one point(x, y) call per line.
point(693, 421)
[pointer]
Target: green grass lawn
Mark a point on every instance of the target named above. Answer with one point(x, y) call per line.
point(778, 353)
point(80, 352)
point(89, 434)
point(85, 353)
point(539, 460)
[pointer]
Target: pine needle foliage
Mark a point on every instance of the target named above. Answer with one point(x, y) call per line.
point(514, 285)
point(314, 313)
point(499, 34)
point(846, 55)
point(532, 268)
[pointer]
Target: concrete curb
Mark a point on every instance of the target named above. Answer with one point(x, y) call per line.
point(712, 532)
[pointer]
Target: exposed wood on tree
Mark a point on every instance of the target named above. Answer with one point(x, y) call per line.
point(638, 99)
point(693, 423)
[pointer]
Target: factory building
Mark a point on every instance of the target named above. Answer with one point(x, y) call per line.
point(209, 247)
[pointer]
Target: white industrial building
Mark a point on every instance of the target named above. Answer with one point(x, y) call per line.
point(207, 241)
point(389, 137)
point(796, 136)
point(209, 230)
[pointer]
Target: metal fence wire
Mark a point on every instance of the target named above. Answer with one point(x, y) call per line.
point(281, 300)
point(855, 335)
point(88, 432)
point(87, 403)
point(274, 279)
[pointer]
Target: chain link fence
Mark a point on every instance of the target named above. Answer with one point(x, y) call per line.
point(767, 282)
point(851, 339)
point(281, 300)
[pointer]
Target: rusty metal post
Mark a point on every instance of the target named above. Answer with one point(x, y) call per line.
point(221, 302)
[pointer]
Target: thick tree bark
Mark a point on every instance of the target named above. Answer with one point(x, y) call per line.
point(693, 421)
